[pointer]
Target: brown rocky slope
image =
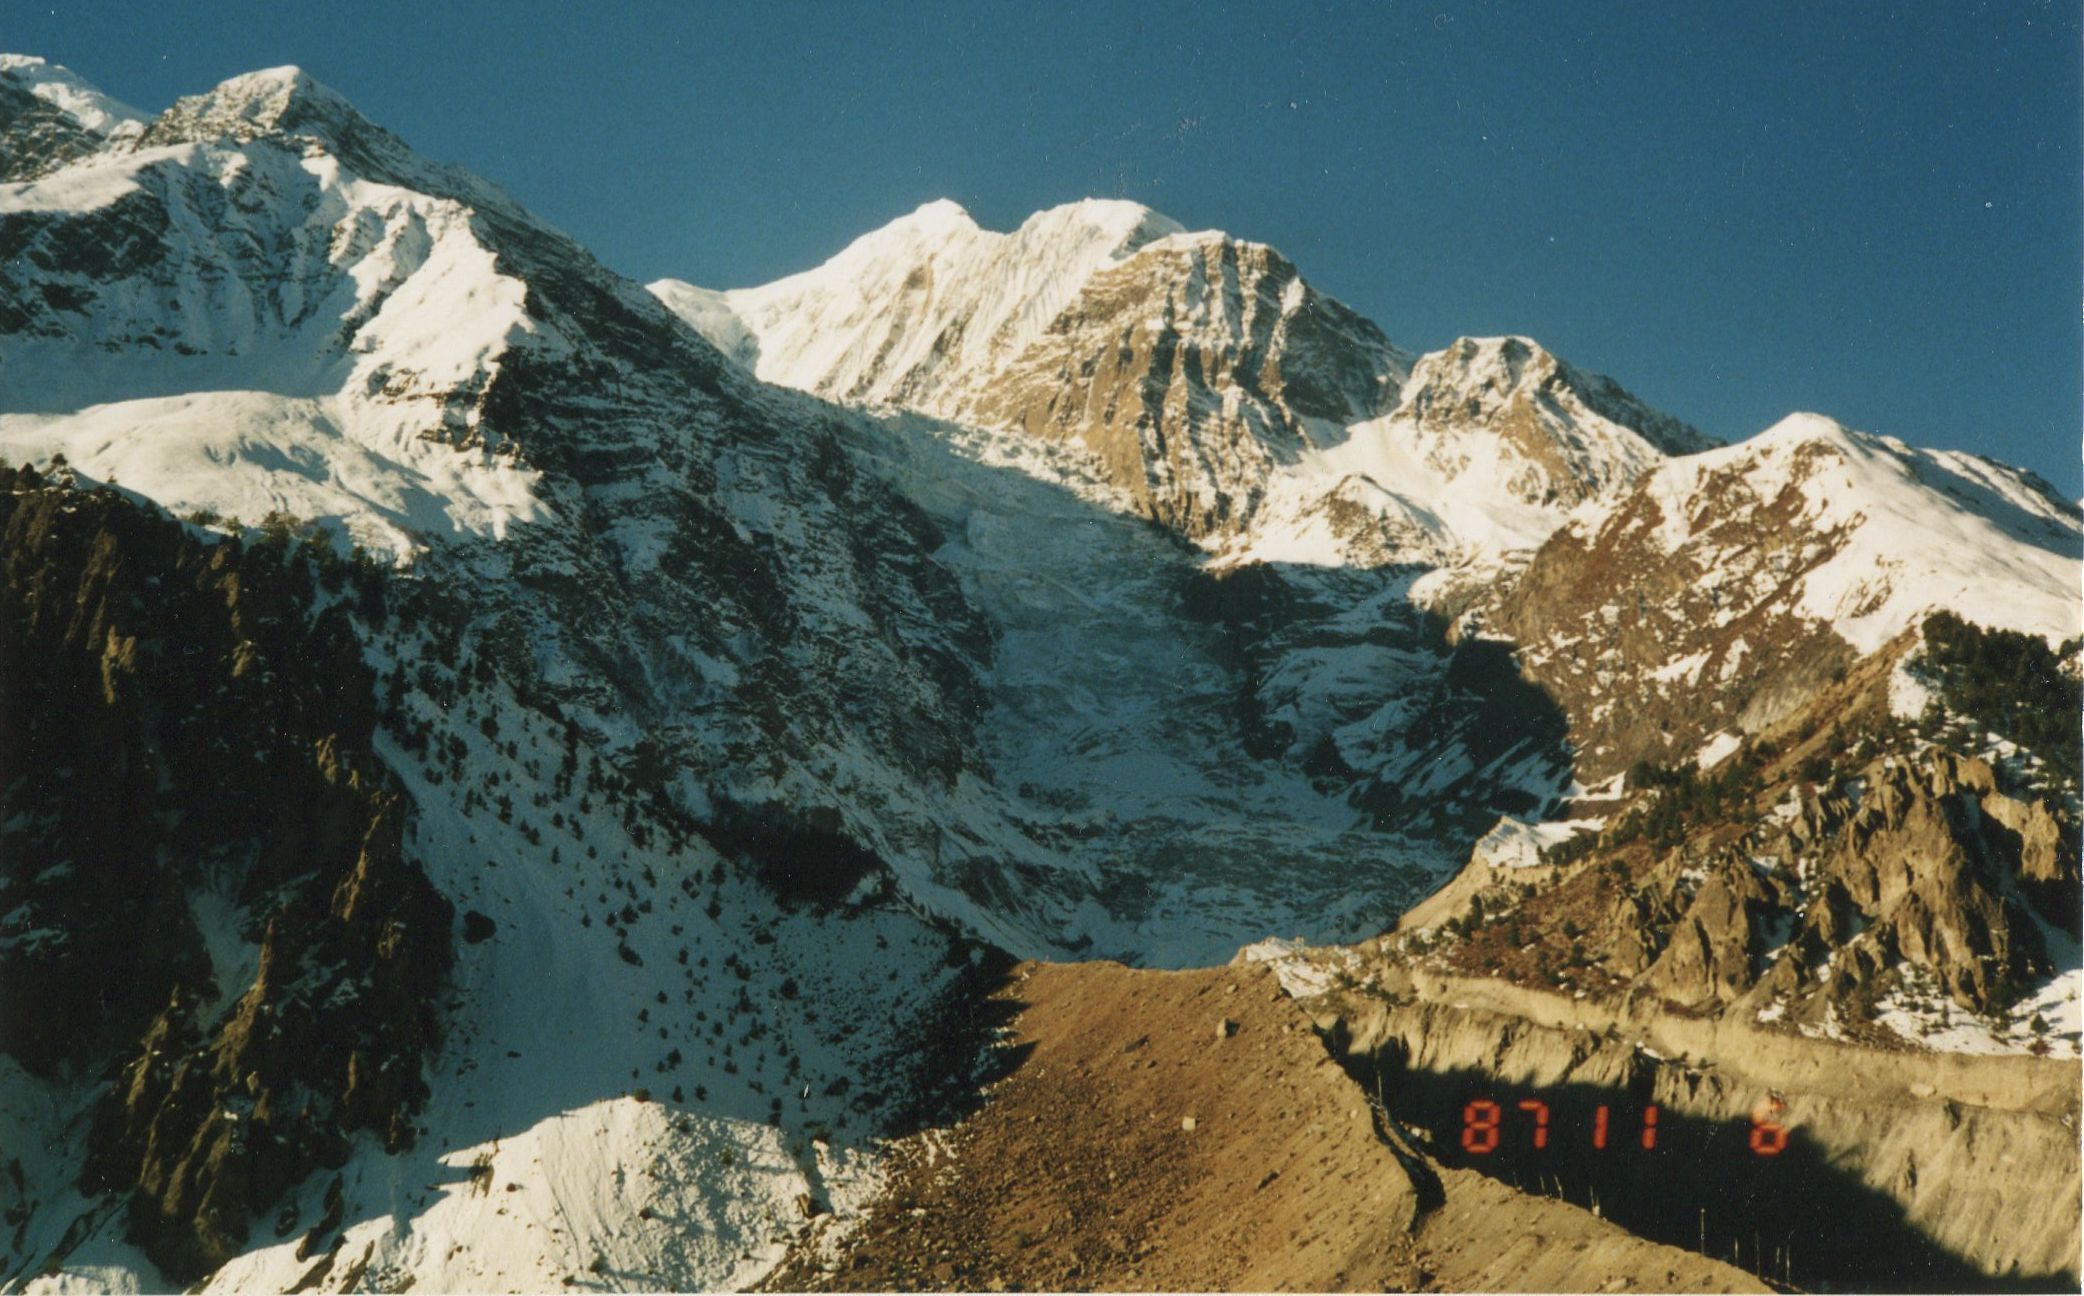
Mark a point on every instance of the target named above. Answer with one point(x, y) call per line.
point(1820, 923)
point(1189, 1131)
point(1842, 858)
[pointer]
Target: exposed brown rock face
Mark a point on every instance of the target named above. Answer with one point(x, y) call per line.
point(172, 720)
point(1543, 414)
point(1190, 369)
point(2048, 864)
point(1907, 1171)
point(1849, 862)
point(1925, 860)
point(1652, 650)
point(1914, 870)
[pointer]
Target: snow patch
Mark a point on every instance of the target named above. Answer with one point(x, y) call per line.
point(1718, 749)
point(1305, 972)
point(1514, 844)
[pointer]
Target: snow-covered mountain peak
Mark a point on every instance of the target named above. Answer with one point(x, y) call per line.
point(1884, 532)
point(50, 117)
point(314, 288)
point(68, 92)
point(1221, 392)
point(1123, 224)
point(1477, 379)
point(282, 100)
point(1846, 476)
point(1802, 425)
point(922, 305)
point(1804, 436)
point(1490, 357)
point(939, 211)
point(1724, 587)
point(1475, 375)
point(1491, 444)
point(1128, 225)
point(928, 226)
point(942, 231)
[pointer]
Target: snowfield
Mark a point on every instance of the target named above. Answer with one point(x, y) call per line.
point(338, 388)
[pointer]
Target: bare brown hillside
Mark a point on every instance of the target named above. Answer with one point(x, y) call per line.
point(1189, 1131)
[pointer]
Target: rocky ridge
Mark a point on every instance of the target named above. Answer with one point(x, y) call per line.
point(1218, 392)
point(1726, 589)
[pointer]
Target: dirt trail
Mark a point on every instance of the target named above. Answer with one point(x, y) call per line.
point(1188, 1131)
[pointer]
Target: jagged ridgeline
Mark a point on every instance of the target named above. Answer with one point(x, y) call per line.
point(1846, 866)
point(182, 720)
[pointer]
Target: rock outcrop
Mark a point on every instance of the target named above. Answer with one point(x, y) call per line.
point(185, 753)
point(1840, 864)
point(1192, 369)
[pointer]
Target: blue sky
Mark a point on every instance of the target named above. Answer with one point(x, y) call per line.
point(1737, 210)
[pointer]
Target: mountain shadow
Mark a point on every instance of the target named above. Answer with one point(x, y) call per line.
point(1213, 755)
point(1763, 1197)
point(220, 940)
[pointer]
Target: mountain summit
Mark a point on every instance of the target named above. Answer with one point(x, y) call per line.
point(52, 116)
point(282, 99)
point(1213, 384)
point(930, 301)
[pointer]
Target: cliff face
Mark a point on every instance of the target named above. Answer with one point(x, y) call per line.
point(1191, 370)
point(1820, 883)
point(1902, 1172)
point(1910, 876)
point(184, 746)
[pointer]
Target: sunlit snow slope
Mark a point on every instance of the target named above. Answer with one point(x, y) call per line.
point(1223, 394)
point(657, 1054)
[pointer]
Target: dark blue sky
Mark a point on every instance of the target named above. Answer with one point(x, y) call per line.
point(1738, 210)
